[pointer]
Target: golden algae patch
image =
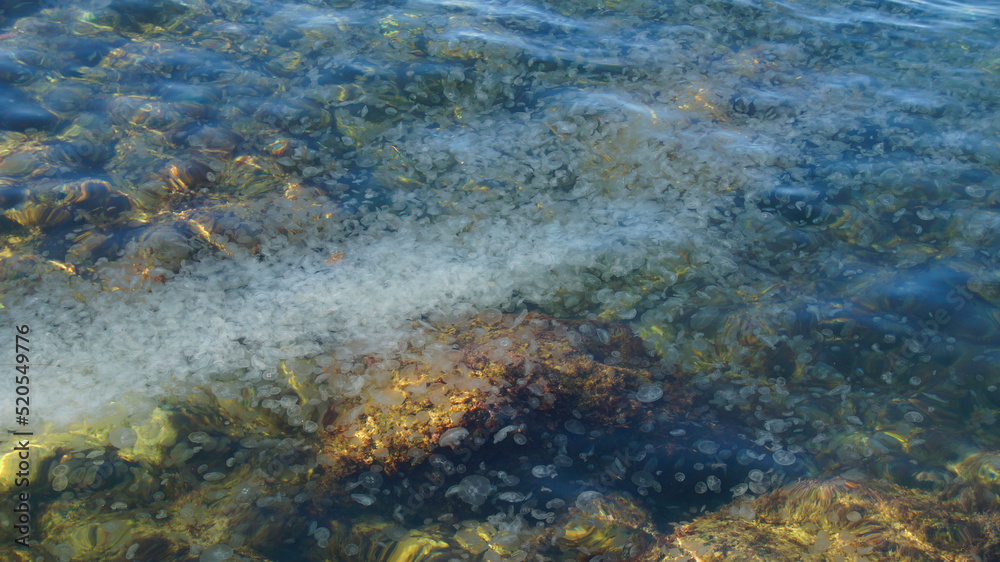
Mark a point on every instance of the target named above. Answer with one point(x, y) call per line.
point(838, 519)
point(452, 386)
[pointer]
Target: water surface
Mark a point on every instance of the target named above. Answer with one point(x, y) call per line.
point(792, 196)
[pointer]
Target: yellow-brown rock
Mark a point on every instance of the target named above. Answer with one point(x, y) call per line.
point(842, 518)
point(467, 372)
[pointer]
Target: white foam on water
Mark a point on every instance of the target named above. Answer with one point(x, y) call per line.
point(219, 317)
point(224, 316)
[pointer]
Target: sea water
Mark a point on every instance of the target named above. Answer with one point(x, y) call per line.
point(198, 192)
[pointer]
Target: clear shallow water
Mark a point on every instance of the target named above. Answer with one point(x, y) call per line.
point(799, 190)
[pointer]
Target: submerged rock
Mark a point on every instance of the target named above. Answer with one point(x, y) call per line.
point(465, 378)
point(839, 518)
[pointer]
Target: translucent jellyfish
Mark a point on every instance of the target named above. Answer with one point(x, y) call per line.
point(544, 471)
point(555, 503)
point(649, 393)
point(603, 335)
point(490, 315)
point(370, 480)
point(123, 437)
point(714, 483)
point(453, 437)
point(784, 458)
point(575, 427)
point(775, 426)
point(199, 437)
point(542, 515)
point(642, 479)
point(502, 434)
point(586, 501)
point(512, 497)
point(511, 480)
point(473, 490)
point(363, 499)
point(707, 447)
point(562, 461)
point(59, 483)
